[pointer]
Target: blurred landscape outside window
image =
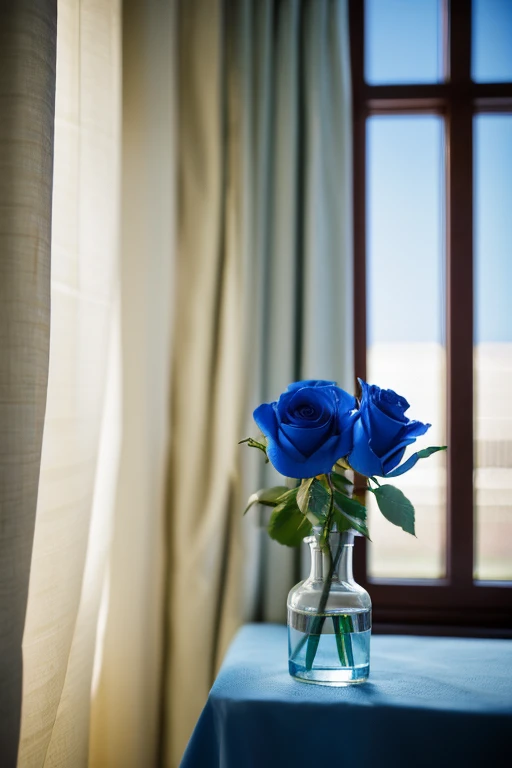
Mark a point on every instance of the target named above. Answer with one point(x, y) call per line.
point(406, 288)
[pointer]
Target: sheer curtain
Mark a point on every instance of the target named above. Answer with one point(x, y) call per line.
point(92, 629)
point(92, 626)
point(126, 698)
point(263, 297)
point(82, 426)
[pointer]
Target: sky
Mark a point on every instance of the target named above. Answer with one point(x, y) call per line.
point(405, 185)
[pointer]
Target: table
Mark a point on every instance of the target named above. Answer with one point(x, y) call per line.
point(429, 702)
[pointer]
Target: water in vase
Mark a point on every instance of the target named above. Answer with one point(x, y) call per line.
point(333, 648)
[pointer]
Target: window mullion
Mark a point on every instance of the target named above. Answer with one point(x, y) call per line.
point(459, 256)
point(356, 10)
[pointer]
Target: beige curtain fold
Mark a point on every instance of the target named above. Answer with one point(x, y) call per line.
point(82, 425)
point(263, 297)
point(28, 34)
point(126, 700)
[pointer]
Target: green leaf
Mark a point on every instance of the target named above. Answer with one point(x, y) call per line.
point(313, 500)
point(287, 524)
point(325, 482)
point(303, 494)
point(349, 513)
point(267, 496)
point(341, 483)
point(350, 506)
point(395, 507)
point(426, 452)
point(411, 461)
point(345, 522)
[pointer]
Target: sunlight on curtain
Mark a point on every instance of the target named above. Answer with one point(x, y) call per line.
point(82, 427)
point(127, 690)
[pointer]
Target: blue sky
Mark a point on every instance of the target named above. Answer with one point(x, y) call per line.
point(406, 178)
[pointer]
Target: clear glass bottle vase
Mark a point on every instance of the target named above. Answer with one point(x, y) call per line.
point(329, 616)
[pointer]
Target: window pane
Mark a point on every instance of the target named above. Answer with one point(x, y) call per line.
point(403, 41)
point(493, 346)
point(492, 40)
point(405, 235)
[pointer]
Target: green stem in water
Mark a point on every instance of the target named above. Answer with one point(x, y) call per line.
point(342, 629)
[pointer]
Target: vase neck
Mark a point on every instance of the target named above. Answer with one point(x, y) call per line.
point(338, 556)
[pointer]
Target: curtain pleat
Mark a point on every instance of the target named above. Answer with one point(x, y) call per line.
point(263, 298)
point(28, 34)
point(204, 390)
point(126, 699)
point(82, 425)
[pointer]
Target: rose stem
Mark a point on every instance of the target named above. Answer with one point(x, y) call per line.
point(318, 621)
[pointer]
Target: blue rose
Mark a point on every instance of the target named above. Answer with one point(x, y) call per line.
point(308, 429)
point(382, 432)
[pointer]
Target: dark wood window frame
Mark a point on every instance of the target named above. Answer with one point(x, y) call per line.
point(456, 604)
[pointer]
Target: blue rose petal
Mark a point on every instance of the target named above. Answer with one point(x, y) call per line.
point(310, 383)
point(307, 441)
point(311, 406)
point(392, 404)
point(393, 458)
point(346, 403)
point(322, 462)
point(362, 458)
point(416, 428)
point(265, 418)
point(293, 452)
point(382, 432)
point(309, 428)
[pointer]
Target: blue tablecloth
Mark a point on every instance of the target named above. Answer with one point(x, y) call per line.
point(429, 702)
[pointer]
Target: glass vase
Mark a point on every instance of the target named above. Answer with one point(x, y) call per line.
point(329, 616)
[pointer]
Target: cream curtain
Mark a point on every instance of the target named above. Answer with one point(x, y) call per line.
point(263, 297)
point(28, 32)
point(82, 426)
point(126, 701)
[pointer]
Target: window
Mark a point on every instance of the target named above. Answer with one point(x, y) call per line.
point(432, 123)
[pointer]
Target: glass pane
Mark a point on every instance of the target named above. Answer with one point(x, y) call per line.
point(403, 41)
point(405, 235)
point(493, 346)
point(492, 41)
